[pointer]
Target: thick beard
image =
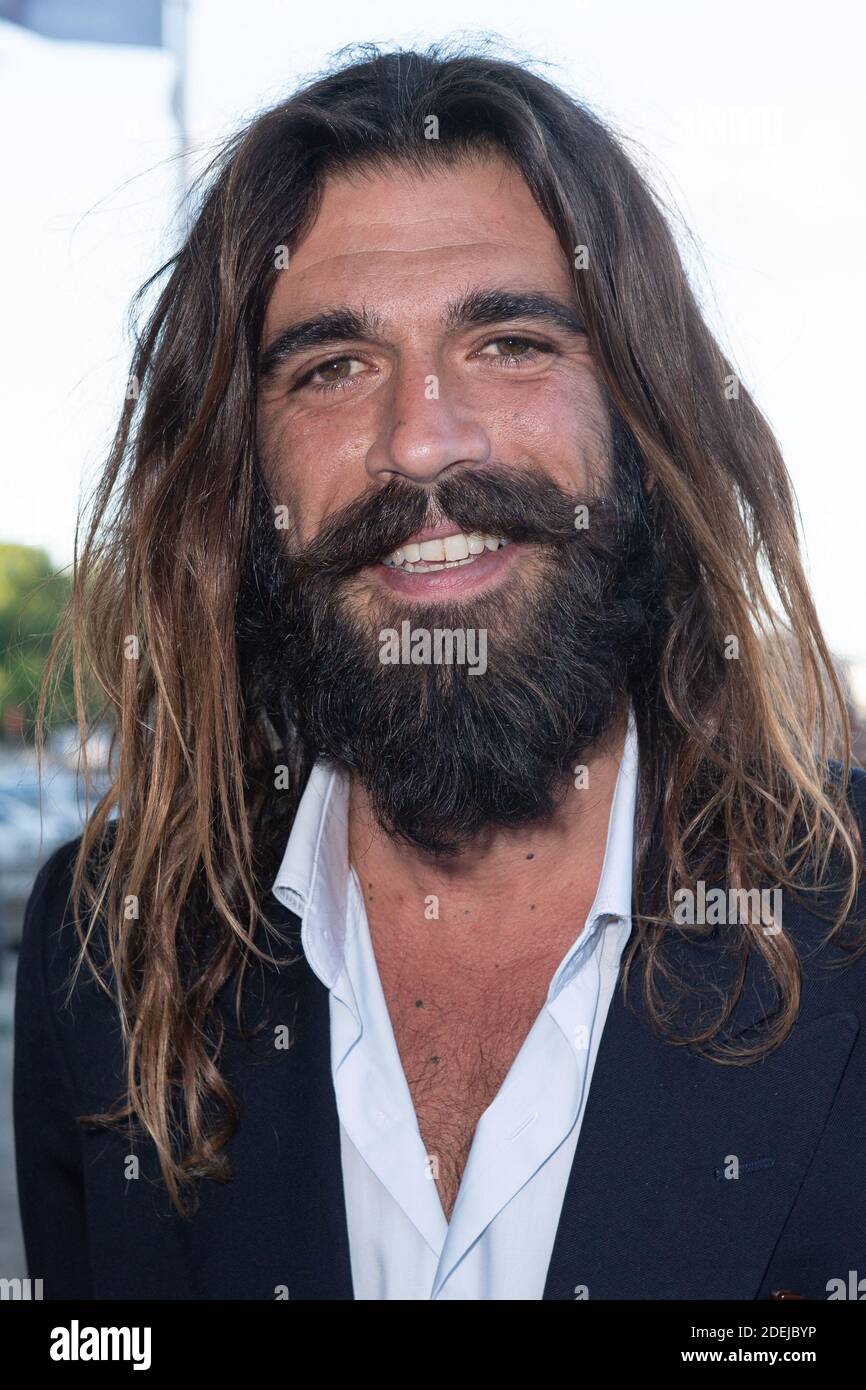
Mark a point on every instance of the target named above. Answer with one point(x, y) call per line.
point(443, 755)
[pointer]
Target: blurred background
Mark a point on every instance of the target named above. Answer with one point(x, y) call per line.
point(748, 119)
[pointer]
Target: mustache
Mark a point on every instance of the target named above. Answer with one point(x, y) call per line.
point(518, 507)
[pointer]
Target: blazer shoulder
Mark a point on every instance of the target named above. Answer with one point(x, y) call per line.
point(857, 794)
point(49, 903)
point(52, 887)
point(65, 1021)
point(41, 1066)
point(810, 922)
point(53, 882)
point(50, 944)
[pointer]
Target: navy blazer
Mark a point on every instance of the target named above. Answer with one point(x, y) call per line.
point(648, 1212)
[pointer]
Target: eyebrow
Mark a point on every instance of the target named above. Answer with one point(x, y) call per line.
point(474, 309)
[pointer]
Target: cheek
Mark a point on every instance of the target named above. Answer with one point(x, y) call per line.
point(561, 431)
point(312, 468)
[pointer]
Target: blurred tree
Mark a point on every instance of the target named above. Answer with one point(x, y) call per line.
point(32, 597)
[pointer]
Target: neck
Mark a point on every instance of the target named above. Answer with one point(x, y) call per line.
point(546, 873)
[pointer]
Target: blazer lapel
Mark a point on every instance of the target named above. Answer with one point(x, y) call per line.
point(686, 1169)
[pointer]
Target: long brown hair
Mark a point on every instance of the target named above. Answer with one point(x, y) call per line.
point(736, 755)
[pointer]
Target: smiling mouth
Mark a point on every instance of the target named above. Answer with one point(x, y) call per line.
point(454, 551)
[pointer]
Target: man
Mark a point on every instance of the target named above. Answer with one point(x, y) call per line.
point(468, 915)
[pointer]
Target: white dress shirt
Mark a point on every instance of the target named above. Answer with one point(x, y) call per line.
point(500, 1238)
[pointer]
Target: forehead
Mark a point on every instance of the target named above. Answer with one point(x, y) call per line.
point(401, 234)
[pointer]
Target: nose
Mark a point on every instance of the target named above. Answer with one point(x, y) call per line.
point(425, 428)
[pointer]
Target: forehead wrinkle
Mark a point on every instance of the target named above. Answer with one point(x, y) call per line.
point(482, 246)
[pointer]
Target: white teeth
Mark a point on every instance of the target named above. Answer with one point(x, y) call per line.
point(443, 553)
point(432, 550)
point(456, 547)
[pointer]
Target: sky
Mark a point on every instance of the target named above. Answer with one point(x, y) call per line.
point(748, 118)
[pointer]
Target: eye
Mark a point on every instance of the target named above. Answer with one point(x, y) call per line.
point(331, 383)
point(517, 350)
